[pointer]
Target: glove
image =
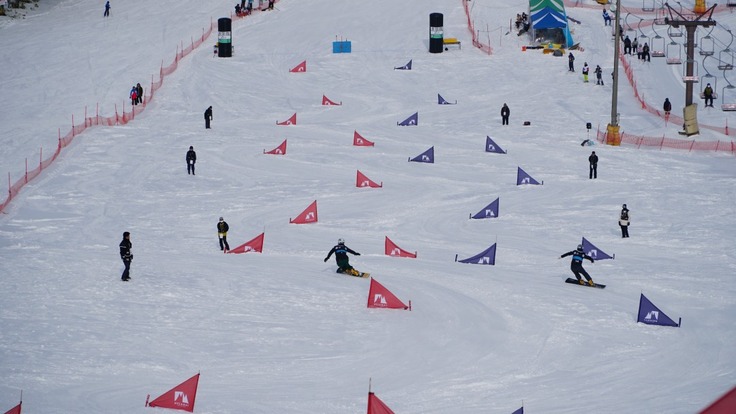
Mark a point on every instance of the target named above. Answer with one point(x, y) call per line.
point(592, 261)
point(357, 254)
point(325, 259)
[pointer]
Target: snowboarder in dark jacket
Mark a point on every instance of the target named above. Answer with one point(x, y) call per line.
point(576, 265)
point(341, 258)
point(126, 255)
point(207, 117)
point(139, 89)
point(191, 159)
point(598, 75)
point(593, 160)
point(107, 9)
point(222, 229)
point(505, 112)
point(624, 222)
point(667, 106)
point(571, 62)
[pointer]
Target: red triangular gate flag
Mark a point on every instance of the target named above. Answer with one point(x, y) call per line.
point(307, 216)
point(393, 250)
point(327, 102)
point(180, 397)
point(290, 121)
point(724, 405)
point(302, 67)
point(280, 150)
point(255, 245)
point(376, 406)
point(15, 410)
point(360, 141)
point(363, 181)
point(380, 297)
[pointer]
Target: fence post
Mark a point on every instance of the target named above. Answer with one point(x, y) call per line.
point(40, 160)
point(97, 114)
point(72, 125)
point(717, 144)
point(26, 176)
point(691, 146)
point(661, 144)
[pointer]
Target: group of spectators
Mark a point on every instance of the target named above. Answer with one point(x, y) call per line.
point(522, 23)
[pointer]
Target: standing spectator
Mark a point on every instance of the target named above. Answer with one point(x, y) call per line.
point(134, 95)
point(593, 160)
point(627, 45)
point(270, 5)
point(222, 229)
point(708, 95)
point(191, 159)
point(107, 9)
point(623, 222)
point(667, 107)
point(598, 75)
point(505, 112)
point(571, 62)
point(126, 255)
point(207, 117)
point(586, 70)
point(645, 52)
point(606, 18)
point(139, 89)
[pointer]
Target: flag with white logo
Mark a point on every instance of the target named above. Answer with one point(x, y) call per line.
point(254, 245)
point(594, 252)
point(309, 215)
point(650, 314)
point(489, 211)
point(486, 257)
point(425, 157)
point(391, 249)
point(380, 297)
point(180, 397)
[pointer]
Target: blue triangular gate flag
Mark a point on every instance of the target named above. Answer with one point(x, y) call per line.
point(405, 67)
point(650, 314)
point(427, 156)
point(486, 257)
point(493, 147)
point(523, 178)
point(442, 101)
point(412, 120)
point(594, 252)
point(489, 211)
point(519, 411)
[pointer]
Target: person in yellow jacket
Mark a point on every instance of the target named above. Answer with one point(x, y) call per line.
point(222, 229)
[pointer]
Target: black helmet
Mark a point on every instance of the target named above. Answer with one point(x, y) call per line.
point(580, 247)
point(624, 206)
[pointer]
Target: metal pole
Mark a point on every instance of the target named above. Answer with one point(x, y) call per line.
point(616, 51)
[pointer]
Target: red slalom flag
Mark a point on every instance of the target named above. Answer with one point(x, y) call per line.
point(362, 181)
point(391, 249)
point(724, 405)
point(376, 406)
point(255, 245)
point(290, 121)
point(309, 215)
point(15, 410)
point(327, 102)
point(180, 397)
point(380, 297)
point(302, 67)
point(280, 150)
point(359, 141)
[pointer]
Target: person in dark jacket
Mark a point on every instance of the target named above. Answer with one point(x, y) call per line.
point(341, 258)
point(598, 75)
point(576, 265)
point(593, 160)
point(126, 255)
point(571, 62)
point(667, 107)
point(107, 9)
point(207, 117)
point(505, 112)
point(645, 53)
point(623, 222)
point(191, 159)
point(708, 95)
point(134, 95)
point(139, 88)
point(270, 5)
point(222, 229)
point(627, 45)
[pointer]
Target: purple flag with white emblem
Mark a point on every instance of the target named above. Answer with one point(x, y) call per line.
point(523, 178)
point(442, 101)
point(519, 411)
point(413, 120)
point(486, 257)
point(493, 147)
point(594, 252)
point(405, 67)
point(427, 156)
point(650, 314)
point(489, 211)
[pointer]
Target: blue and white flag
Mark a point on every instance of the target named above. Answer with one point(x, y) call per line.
point(523, 178)
point(489, 211)
point(493, 147)
point(486, 257)
point(594, 252)
point(426, 157)
point(412, 120)
point(650, 314)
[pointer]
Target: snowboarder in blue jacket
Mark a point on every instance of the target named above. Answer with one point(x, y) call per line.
point(341, 258)
point(576, 265)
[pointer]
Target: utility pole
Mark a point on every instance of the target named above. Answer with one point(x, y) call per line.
point(613, 135)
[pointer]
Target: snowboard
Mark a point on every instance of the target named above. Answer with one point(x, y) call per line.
point(575, 282)
point(360, 274)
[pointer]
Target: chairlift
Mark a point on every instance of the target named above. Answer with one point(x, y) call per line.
point(658, 47)
point(626, 23)
point(673, 53)
point(707, 44)
point(725, 56)
point(713, 80)
point(694, 78)
point(641, 33)
point(728, 98)
point(648, 5)
point(731, 3)
point(672, 32)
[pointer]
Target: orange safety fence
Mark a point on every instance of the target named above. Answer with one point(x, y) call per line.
point(476, 42)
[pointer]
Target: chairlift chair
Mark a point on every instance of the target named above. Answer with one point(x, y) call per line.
point(731, 3)
point(728, 98)
point(707, 46)
point(648, 5)
point(672, 32)
point(658, 47)
point(725, 59)
point(713, 80)
point(694, 78)
point(674, 53)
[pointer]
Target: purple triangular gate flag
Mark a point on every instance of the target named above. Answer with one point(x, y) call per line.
point(523, 178)
point(405, 67)
point(486, 257)
point(489, 211)
point(442, 101)
point(427, 156)
point(650, 314)
point(413, 120)
point(519, 411)
point(594, 252)
point(493, 147)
